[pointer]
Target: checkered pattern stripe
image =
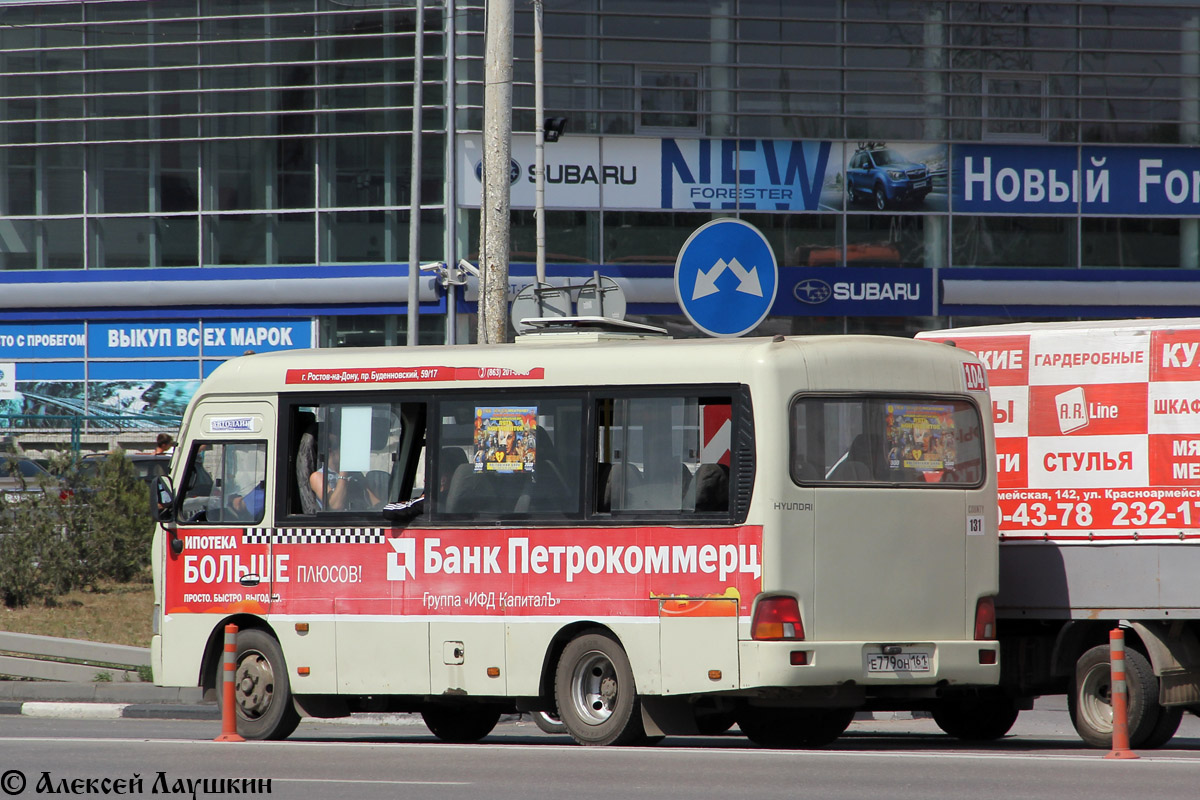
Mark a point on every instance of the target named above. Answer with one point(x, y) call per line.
point(312, 535)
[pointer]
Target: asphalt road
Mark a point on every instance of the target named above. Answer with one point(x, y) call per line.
point(875, 759)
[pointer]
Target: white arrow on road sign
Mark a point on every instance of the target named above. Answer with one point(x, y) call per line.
point(706, 282)
point(728, 309)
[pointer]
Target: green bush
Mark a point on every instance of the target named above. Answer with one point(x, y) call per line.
point(75, 533)
point(118, 523)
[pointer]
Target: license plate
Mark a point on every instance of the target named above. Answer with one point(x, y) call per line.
point(919, 184)
point(901, 662)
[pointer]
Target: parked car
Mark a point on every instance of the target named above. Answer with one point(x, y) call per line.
point(148, 465)
point(18, 475)
point(885, 176)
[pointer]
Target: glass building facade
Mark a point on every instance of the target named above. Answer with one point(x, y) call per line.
point(198, 167)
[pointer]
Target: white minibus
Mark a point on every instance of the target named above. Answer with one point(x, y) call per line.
point(641, 536)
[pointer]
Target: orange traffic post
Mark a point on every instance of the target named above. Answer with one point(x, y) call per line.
point(1120, 697)
point(228, 706)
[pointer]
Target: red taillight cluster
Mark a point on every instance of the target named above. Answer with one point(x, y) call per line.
point(777, 619)
point(985, 619)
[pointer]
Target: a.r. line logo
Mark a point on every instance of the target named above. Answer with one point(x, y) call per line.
point(1072, 410)
point(396, 568)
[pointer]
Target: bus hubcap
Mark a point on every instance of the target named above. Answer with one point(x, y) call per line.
point(255, 682)
point(594, 688)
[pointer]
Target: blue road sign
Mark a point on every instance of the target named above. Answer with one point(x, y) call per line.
point(726, 277)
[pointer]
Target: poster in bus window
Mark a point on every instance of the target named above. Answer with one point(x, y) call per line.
point(505, 438)
point(920, 436)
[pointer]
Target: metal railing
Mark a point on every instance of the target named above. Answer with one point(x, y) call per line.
point(50, 658)
point(37, 434)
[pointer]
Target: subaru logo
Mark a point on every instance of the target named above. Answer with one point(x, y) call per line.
point(812, 291)
point(514, 171)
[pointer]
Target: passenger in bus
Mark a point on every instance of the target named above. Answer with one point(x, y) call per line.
point(347, 491)
point(306, 462)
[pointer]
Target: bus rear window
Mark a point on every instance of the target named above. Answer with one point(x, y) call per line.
point(912, 441)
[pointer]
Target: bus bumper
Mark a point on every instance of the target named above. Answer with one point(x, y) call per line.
point(767, 665)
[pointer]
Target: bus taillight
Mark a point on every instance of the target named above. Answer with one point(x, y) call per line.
point(777, 618)
point(985, 619)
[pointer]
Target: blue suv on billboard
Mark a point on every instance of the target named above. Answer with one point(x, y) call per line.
point(885, 176)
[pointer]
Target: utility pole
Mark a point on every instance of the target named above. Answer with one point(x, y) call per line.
point(497, 155)
point(539, 143)
point(414, 195)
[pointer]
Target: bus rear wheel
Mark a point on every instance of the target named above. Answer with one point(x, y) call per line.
point(548, 722)
point(261, 690)
point(595, 692)
point(714, 723)
point(460, 724)
point(794, 727)
point(979, 719)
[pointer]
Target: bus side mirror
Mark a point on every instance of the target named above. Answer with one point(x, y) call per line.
point(164, 500)
point(162, 506)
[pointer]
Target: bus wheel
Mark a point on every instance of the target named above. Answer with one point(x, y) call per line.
point(794, 727)
point(1089, 701)
point(548, 722)
point(460, 724)
point(978, 719)
point(597, 699)
point(261, 689)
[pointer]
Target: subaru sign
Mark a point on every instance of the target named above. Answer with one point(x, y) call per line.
point(726, 277)
point(855, 292)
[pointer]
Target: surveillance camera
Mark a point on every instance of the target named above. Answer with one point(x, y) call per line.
point(468, 267)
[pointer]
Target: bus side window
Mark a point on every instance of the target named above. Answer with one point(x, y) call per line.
point(355, 457)
point(663, 454)
point(512, 455)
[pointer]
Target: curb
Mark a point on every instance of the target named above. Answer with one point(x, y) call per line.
point(210, 711)
point(92, 710)
point(102, 692)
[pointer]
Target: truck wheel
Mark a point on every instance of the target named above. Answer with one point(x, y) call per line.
point(880, 199)
point(596, 696)
point(1090, 698)
point(793, 727)
point(1164, 730)
point(460, 724)
point(977, 719)
point(1158, 724)
point(261, 689)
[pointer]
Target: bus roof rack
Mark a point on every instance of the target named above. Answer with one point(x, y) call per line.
point(559, 325)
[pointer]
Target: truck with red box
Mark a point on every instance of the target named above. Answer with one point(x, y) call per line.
point(1098, 463)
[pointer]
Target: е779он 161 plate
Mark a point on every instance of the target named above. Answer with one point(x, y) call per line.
point(900, 662)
